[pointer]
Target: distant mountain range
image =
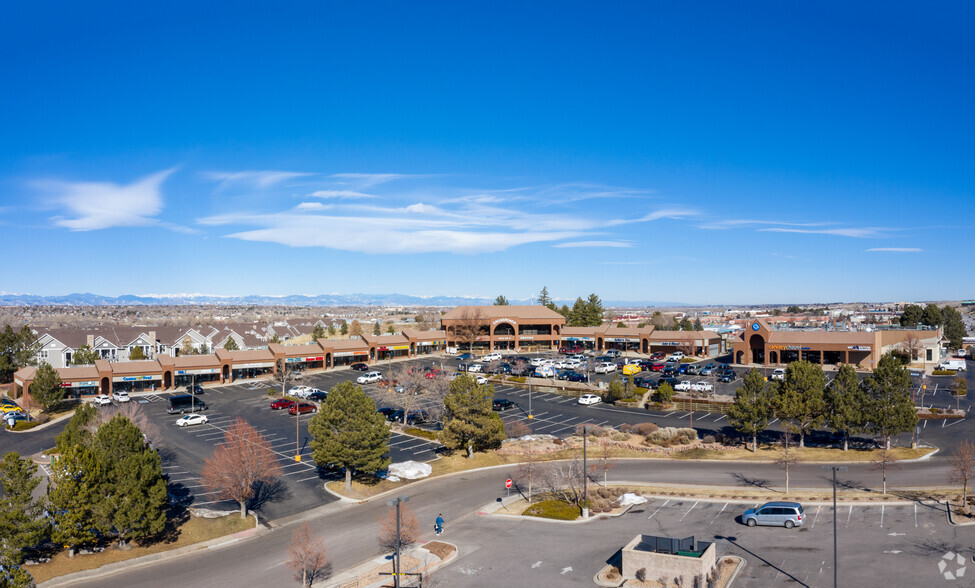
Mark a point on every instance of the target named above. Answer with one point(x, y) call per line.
point(292, 300)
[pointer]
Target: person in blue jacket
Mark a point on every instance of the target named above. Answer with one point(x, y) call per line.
point(439, 524)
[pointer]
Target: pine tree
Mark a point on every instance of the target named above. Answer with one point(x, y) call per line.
point(912, 315)
point(77, 431)
point(890, 409)
point(348, 432)
point(137, 354)
point(564, 311)
point(697, 325)
point(318, 332)
point(85, 355)
point(501, 300)
point(344, 328)
point(799, 397)
point(577, 316)
point(46, 388)
point(21, 523)
point(845, 402)
point(470, 423)
point(391, 329)
point(594, 311)
point(954, 326)
point(17, 349)
point(331, 330)
point(231, 344)
point(932, 315)
point(543, 298)
point(376, 329)
point(752, 408)
point(72, 496)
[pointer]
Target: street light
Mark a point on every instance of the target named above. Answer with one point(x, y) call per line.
point(585, 477)
point(834, 469)
point(396, 502)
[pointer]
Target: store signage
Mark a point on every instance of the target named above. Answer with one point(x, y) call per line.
point(78, 384)
point(244, 366)
point(503, 320)
point(859, 348)
point(623, 340)
point(756, 326)
point(504, 338)
point(429, 343)
point(197, 372)
point(135, 378)
point(527, 338)
point(789, 347)
point(667, 343)
point(349, 353)
point(578, 338)
point(303, 359)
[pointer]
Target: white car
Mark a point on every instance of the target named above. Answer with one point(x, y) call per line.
point(702, 386)
point(572, 363)
point(491, 357)
point(676, 356)
point(120, 396)
point(191, 419)
point(778, 374)
point(590, 399)
point(481, 380)
point(604, 368)
point(683, 386)
point(475, 367)
point(369, 378)
point(101, 400)
point(299, 391)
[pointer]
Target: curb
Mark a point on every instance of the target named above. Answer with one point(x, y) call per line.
point(42, 426)
point(367, 566)
point(112, 568)
point(598, 582)
point(951, 519)
point(741, 565)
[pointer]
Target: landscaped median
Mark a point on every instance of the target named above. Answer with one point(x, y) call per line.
point(418, 561)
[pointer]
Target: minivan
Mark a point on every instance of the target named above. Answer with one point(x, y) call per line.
point(185, 403)
point(776, 514)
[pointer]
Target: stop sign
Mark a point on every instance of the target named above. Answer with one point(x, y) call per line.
point(507, 483)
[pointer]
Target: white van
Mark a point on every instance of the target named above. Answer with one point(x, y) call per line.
point(545, 371)
point(957, 365)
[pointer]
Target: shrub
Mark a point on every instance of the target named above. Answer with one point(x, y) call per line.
point(618, 436)
point(594, 430)
point(643, 428)
point(944, 372)
point(24, 425)
point(554, 509)
point(901, 355)
point(613, 573)
point(42, 418)
point(625, 427)
point(421, 433)
point(272, 392)
point(515, 429)
point(934, 410)
point(669, 436)
point(708, 439)
point(641, 574)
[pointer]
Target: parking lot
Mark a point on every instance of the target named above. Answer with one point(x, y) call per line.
point(879, 545)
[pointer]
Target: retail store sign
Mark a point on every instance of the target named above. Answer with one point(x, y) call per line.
point(788, 347)
point(135, 378)
point(78, 384)
point(197, 372)
point(245, 366)
point(503, 320)
point(859, 348)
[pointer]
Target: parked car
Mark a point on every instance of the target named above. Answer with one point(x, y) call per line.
point(777, 374)
point(571, 349)
point(359, 367)
point(121, 396)
point(613, 353)
point(432, 374)
point(667, 380)
point(590, 399)
point(387, 412)
point(728, 377)
point(631, 369)
point(702, 386)
point(657, 355)
point(465, 357)
point(369, 378)
point(657, 367)
point(692, 370)
point(707, 371)
point(414, 417)
point(191, 419)
point(101, 400)
point(12, 418)
point(676, 356)
point(604, 368)
point(281, 403)
point(577, 377)
point(491, 357)
point(302, 407)
point(299, 391)
point(501, 404)
point(197, 389)
point(481, 380)
point(682, 369)
point(784, 514)
point(5, 408)
point(682, 386)
point(318, 396)
point(642, 382)
point(475, 367)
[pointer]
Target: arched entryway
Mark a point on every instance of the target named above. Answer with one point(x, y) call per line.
point(645, 346)
point(739, 357)
point(504, 329)
point(106, 387)
point(167, 380)
point(757, 345)
point(328, 360)
point(226, 373)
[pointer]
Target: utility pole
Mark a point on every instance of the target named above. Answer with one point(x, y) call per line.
point(585, 477)
point(396, 567)
point(835, 571)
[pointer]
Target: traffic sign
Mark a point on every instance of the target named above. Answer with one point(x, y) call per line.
point(507, 483)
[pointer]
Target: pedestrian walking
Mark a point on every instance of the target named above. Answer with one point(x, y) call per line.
point(439, 524)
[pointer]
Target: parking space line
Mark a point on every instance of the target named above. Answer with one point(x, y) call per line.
point(882, 506)
point(658, 509)
point(915, 514)
point(704, 417)
point(688, 511)
point(669, 413)
point(849, 515)
point(719, 513)
point(816, 518)
point(721, 418)
point(773, 422)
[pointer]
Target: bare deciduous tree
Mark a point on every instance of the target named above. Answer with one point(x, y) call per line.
point(963, 468)
point(528, 471)
point(788, 457)
point(134, 413)
point(913, 346)
point(563, 479)
point(243, 461)
point(409, 528)
point(602, 464)
point(306, 557)
point(469, 326)
point(885, 462)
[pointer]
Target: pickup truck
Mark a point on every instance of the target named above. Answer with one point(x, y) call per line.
point(683, 386)
point(702, 386)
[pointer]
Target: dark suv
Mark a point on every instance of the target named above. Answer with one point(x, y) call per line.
point(502, 404)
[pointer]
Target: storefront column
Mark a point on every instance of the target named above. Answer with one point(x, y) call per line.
point(846, 356)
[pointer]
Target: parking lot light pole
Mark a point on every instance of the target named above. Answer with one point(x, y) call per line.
point(585, 477)
point(834, 469)
point(396, 502)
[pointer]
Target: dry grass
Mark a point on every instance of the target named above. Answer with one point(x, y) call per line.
point(824, 454)
point(363, 487)
point(772, 492)
point(194, 530)
point(439, 549)
point(382, 573)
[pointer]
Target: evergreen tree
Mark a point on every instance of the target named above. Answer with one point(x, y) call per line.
point(665, 392)
point(318, 332)
point(231, 344)
point(954, 326)
point(697, 325)
point(391, 329)
point(932, 315)
point(799, 397)
point(17, 349)
point(277, 340)
point(594, 311)
point(72, 496)
point(845, 402)
point(615, 392)
point(912, 315)
point(621, 325)
point(753, 406)
point(21, 523)
point(577, 316)
point(46, 388)
point(348, 432)
point(85, 355)
point(344, 328)
point(376, 329)
point(77, 431)
point(685, 324)
point(890, 410)
point(470, 423)
point(331, 330)
point(564, 311)
point(501, 300)
point(543, 298)
point(137, 354)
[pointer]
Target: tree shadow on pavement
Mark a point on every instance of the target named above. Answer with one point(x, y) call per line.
point(744, 480)
point(276, 491)
point(734, 541)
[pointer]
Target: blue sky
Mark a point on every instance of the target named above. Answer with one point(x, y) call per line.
point(694, 152)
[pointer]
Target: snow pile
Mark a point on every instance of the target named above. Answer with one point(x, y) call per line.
point(211, 514)
point(630, 498)
point(409, 470)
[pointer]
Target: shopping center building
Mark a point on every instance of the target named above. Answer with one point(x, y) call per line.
point(493, 328)
point(644, 340)
point(761, 344)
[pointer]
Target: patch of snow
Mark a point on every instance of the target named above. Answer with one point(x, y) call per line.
point(408, 470)
point(630, 498)
point(211, 514)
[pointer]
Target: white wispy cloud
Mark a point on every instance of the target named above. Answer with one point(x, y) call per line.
point(895, 249)
point(254, 178)
point(745, 222)
point(595, 244)
point(363, 181)
point(89, 206)
point(351, 194)
point(312, 206)
point(856, 232)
